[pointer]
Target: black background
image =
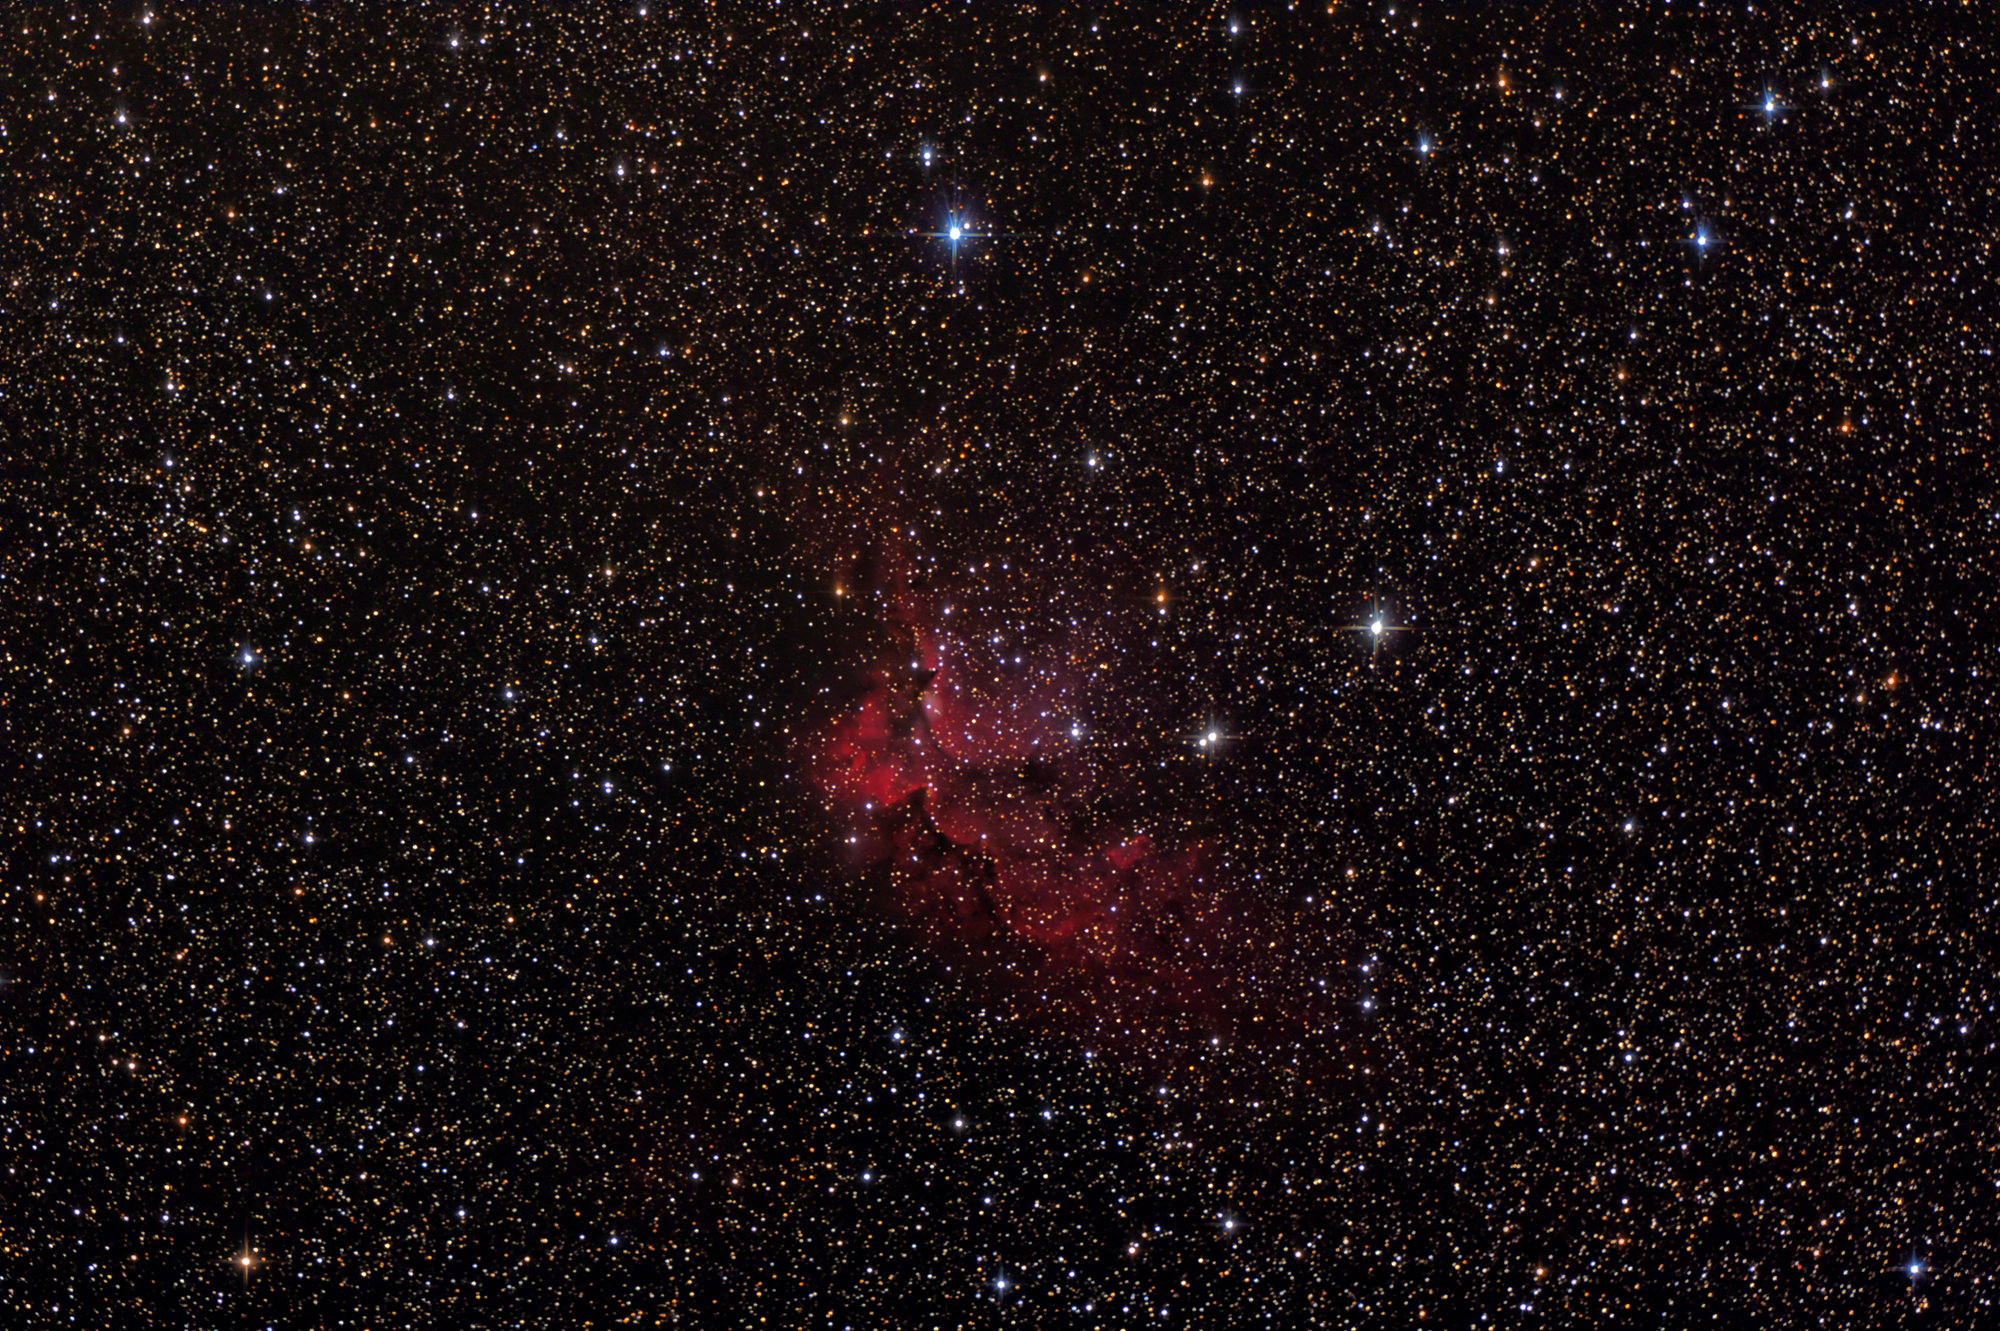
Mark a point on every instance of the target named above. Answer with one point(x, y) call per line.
point(435, 442)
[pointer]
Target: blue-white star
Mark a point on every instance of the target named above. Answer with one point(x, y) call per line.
point(958, 230)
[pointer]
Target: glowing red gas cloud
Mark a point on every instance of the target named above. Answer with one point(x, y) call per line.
point(978, 773)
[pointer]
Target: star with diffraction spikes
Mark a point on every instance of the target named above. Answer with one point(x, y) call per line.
point(959, 229)
point(1377, 627)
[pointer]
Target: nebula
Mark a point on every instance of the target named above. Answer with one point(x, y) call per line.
point(998, 770)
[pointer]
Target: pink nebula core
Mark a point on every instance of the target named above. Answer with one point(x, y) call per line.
point(1010, 839)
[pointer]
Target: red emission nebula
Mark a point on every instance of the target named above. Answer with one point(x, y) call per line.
point(1007, 782)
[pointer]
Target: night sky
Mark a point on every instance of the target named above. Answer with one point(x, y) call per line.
point(910, 665)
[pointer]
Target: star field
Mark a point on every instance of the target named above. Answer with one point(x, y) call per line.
point(842, 666)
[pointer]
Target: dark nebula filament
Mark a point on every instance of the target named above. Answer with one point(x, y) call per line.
point(993, 780)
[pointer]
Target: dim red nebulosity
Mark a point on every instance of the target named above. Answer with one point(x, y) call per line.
point(992, 780)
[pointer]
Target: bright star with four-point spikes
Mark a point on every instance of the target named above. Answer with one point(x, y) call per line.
point(1377, 627)
point(959, 230)
point(956, 232)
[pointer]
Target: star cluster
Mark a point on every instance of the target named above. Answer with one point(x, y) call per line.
point(604, 605)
